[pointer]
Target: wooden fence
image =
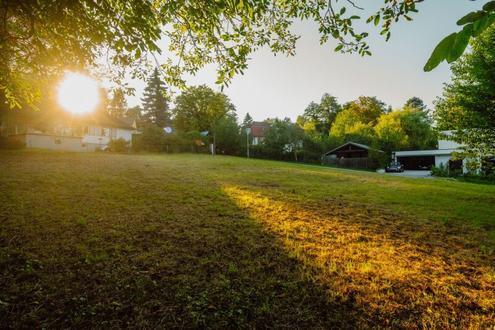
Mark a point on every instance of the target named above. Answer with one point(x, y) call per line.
point(364, 163)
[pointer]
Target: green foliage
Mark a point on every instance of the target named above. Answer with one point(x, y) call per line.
point(41, 39)
point(118, 145)
point(468, 102)
point(415, 102)
point(155, 101)
point(320, 117)
point(247, 122)
point(440, 171)
point(357, 119)
point(117, 106)
point(227, 135)
point(284, 140)
point(404, 129)
point(454, 45)
point(152, 139)
point(199, 108)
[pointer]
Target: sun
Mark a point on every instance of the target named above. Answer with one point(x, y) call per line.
point(78, 93)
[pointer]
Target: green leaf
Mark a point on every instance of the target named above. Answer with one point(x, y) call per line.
point(489, 6)
point(377, 20)
point(339, 48)
point(481, 25)
point(460, 43)
point(440, 52)
point(472, 17)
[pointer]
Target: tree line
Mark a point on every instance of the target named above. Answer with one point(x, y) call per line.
point(202, 117)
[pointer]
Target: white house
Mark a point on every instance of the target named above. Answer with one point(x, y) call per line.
point(88, 133)
point(425, 159)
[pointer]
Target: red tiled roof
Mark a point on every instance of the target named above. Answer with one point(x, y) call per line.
point(259, 129)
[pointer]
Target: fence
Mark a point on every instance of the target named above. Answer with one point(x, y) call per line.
point(363, 163)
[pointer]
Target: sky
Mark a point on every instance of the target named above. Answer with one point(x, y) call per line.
point(280, 86)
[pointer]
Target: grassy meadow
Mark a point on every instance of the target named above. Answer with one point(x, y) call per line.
point(114, 240)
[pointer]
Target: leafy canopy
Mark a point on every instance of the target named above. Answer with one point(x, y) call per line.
point(453, 46)
point(468, 102)
point(320, 116)
point(41, 39)
point(200, 108)
point(357, 119)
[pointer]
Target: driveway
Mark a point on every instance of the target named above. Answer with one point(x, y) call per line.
point(413, 174)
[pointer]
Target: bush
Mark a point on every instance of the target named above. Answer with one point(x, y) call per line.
point(118, 145)
point(440, 171)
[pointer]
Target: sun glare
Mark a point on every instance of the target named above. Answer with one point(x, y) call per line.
point(78, 93)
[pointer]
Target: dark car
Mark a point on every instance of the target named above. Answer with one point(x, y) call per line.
point(395, 167)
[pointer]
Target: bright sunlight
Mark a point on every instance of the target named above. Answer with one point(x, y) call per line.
point(78, 93)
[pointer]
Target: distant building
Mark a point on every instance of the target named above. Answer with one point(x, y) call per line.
point(352, 155)
point(87, 133)
point(425, 159)
point(258, 131)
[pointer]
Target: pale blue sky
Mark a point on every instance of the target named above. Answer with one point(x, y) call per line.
point(279, 86)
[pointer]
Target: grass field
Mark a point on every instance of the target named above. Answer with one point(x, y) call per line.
point(107, 240)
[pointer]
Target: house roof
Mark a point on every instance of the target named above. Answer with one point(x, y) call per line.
point(259, 128)
point(362, 146)
point(105, 120)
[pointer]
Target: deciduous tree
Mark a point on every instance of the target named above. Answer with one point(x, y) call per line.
point(468, 102)
point(41, 39)
point(200, 108)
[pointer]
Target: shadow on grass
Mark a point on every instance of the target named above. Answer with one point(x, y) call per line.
point(141, 257)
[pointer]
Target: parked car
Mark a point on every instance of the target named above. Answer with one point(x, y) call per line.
point(394, 167)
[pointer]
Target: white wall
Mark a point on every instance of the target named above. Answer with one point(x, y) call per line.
point(52, 142)
point(115, 133)
point(443, 159)
point(125, 134)
point(93, 139)
point(447, 144)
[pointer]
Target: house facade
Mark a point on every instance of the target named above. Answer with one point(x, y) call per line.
point(258, 132)
point(83, 134)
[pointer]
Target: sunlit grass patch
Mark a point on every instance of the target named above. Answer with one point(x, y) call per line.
point(389, 271)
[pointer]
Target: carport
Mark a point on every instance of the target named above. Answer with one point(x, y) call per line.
point(414, 160)
point(416, 163)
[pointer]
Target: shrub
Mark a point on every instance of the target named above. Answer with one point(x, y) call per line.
point(118, 145)
point(440, 171)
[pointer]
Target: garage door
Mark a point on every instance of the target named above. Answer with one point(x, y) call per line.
point(417, 162)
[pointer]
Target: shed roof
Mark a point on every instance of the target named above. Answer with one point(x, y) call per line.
point(359, 145)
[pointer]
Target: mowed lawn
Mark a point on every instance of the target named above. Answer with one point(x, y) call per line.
point(108, 240)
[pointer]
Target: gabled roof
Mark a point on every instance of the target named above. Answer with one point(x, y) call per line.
point(359, 145)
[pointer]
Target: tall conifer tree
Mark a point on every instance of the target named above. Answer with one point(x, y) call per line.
point(155, 101)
